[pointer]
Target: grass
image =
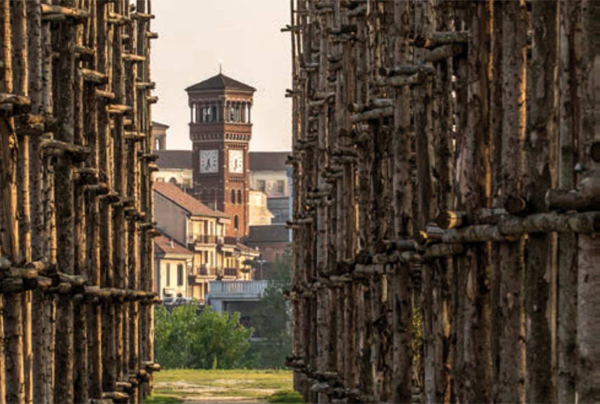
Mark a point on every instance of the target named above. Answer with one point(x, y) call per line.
point(226, 385)
point(160, 399)
point(285, 397)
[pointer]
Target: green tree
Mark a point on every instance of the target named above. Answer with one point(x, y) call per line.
point(271, 319)
point(184, 339)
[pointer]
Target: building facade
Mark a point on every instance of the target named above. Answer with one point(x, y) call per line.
point(172, 265)
point(175, 167)
point(203, 231)
point(259, 212)
point(268, 174)
point(220, 131)
point(159, 135)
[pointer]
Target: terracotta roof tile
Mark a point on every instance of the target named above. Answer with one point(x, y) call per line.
point(274, 233)
point(174, 159)
point(268, 161)
point(169, 246)
point(220, 82)
point(186, 201)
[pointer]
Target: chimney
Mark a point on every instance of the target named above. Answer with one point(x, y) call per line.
point(172, 244)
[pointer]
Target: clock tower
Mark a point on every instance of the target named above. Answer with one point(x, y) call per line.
point(220, 130)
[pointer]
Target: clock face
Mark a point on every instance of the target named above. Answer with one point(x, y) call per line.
point(236, 161)
point(209, 161)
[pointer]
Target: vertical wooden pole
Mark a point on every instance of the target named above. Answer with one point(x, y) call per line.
point(80, 374)
point(65, 208)
point(474, 193)
point(104, 47)
point(13, 327)
point(570, 13)
point(540, 147)
point(588, 300)
point(511, 265)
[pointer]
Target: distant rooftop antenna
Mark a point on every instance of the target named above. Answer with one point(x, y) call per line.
point(220, 67)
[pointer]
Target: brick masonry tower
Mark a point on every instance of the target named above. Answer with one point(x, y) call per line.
point(220, 130)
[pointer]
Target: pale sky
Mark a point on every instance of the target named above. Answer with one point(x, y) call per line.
point(196, 35)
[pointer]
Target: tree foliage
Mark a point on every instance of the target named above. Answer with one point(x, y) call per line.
point(271, 319)
point(209, 340)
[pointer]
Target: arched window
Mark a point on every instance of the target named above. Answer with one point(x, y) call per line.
point(233, 196)
point(173, 180)
point(236, 222)
point(239, 196)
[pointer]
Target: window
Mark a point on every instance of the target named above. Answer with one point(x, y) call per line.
point(262, 185)
point(206, 258)
point(173, 180)
point(239, 196)
point(180, 275)
point(168, 274)
point(160, 180)
point(280, 186)
point(236, 222)
point(233, 196)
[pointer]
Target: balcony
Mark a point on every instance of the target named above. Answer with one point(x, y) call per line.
point(230, 272)
point(237, 288)
point(203, 239)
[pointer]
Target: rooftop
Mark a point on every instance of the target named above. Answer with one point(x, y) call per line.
point(220, 82)
point(159, 125)
point(268, 161)
point(174, 159)
point(276, 233)
point(167, 245)
point(187, 202)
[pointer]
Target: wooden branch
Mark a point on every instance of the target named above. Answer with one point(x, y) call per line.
point(511, 226)
point(378, 103)
point(118, 19)
point(85, 53)
point(49, 11)
point(586, 198)
point(104, 95)
point(289, 28)
point(374, 114)
point(401, 81)
point(142, 16)
point(94, 77)
point(444, 52)
point(441, 38)
point(56, 147)
point(131, 57)
point(406, 70)
point(114, 109)
point(145, 86)
point(115, 395)
point(451, 219)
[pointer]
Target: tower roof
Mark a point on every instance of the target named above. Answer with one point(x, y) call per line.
point(220, 82)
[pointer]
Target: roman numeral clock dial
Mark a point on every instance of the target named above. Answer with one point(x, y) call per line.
point(209, 161)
